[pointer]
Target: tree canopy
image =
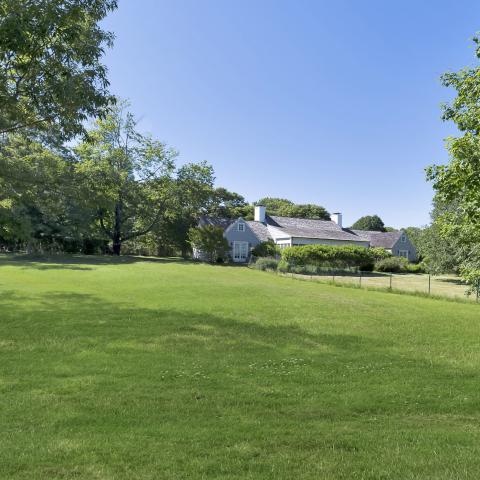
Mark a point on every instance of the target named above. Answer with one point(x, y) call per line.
point(51, 75)
point(458, 182)
point(369, 222)
point(286, 208)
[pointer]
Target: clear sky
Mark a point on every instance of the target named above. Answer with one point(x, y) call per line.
point(329, 102)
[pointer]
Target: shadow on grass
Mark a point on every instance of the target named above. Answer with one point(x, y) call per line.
point(78, 262)
point(77, 319)
point(454, 281)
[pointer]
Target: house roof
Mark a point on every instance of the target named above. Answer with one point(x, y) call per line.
point(379, 239)
point(260, 230)
point(309, 228)
point(215, 221)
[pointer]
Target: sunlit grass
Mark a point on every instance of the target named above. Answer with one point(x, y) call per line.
point(155, 369)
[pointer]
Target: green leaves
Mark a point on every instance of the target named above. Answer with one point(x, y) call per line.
point(369, 222)
point(51, 76)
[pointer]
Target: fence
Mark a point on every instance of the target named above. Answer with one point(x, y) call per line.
point(449, 286)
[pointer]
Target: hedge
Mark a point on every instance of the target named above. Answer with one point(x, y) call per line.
point(333, 256)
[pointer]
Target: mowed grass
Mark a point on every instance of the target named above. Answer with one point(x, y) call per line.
point(172, 370)
point(450, 286)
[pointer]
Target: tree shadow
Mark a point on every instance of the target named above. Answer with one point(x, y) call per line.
point(79, 262)
point(454, 281)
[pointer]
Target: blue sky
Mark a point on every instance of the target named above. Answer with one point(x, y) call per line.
point(328, 102)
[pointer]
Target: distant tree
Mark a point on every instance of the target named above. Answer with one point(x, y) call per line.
point(127, 177)
point(369, 222)
point(210, 241)
point(286, 208)
point(226, 204)
point(440, 249)
point(192, 190)
point(51, 77)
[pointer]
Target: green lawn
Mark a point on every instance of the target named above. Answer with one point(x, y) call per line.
point(450, 286)
point(169, 370)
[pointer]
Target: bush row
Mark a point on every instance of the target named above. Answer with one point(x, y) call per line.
point(334, 257)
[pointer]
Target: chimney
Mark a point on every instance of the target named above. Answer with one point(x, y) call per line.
point(337, 218)
point(260, 213)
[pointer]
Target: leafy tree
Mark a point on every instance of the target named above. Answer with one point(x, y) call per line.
point(226, 204)
point(34, 184)
point(458, 182)
point(51, 77)
point(266, 249)
point(127, 177)
point(192, 190)
point(209, 240)
point(369, 222)
point(286, 208)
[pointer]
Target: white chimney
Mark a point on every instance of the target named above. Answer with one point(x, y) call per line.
point(260, 213)
point(337, 218)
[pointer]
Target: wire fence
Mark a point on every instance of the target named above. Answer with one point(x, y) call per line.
point(449, 286)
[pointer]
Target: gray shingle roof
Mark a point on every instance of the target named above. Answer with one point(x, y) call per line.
point(308, 228)
point(215, 221)
point(260, 230)
point(379, 239)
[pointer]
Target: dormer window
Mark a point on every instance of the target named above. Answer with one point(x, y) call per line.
point(403, 238)
point(241, 227)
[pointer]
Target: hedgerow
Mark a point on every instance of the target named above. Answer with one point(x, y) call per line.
point(333, 256)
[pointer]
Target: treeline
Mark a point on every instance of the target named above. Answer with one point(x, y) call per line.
point(117, 191)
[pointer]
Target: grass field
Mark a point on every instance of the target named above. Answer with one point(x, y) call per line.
point(136, 369)
point(449, 286)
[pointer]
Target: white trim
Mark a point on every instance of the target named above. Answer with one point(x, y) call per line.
point(240, 224)
point(241, 255)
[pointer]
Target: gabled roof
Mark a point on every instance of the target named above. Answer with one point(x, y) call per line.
point(379, 239)
point(260, 230)
point(309, 228)
point(215, 221)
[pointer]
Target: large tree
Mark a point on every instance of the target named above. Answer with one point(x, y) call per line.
point(127, 177)
point(369, 222)
point(458, 182)
point(286, 208)
point(38, 197)
point(51, 75)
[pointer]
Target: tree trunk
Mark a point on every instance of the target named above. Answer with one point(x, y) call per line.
point(117, 228)
point(117, 247)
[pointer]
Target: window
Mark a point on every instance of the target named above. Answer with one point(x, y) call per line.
point(403, 238)
point(240, 251)
point(241, 227)
point(403, 253)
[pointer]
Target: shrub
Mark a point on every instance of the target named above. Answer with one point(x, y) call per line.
point(283, 266)
point(209, 240)
point(415, 268)
point(266, 264)
point(266, 249)
point(391, 264)
point(331, 256)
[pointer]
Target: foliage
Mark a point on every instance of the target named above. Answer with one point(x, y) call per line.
point(369, 222)
point(266, 249)
point(286, 208)
point(330, 256)
point(51, 77)
point(226, 204)
point(458, 183)
point(266, 264)
point(209, 240)
point(39, 208)
point(126, 176)
point(391, 264)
